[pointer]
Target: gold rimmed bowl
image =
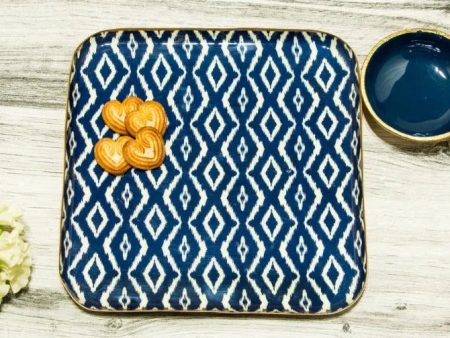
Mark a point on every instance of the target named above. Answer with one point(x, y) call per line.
point(406, 84)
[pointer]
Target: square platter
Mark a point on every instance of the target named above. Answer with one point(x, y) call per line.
point(258, 206)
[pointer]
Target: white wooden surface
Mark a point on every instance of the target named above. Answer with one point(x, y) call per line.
point(407, 188)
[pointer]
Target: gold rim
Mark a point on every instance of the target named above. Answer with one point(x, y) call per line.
point(340, 311)
point(369, 108)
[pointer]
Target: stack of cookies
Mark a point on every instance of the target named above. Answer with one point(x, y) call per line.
point(141, 126)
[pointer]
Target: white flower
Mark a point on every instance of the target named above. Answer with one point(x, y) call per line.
point(18, 276)
point(15, 262)
point(4, 288)
point(10, 218)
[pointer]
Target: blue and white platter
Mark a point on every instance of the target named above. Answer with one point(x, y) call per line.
point(258, 206)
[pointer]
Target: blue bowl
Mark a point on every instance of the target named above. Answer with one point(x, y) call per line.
point(406, 84)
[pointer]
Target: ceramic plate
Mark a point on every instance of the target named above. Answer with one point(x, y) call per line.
point(258, 206)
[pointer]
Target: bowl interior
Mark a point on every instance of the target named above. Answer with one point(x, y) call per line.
point(407, 83)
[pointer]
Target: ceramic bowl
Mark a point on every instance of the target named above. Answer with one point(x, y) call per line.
point(406, 84)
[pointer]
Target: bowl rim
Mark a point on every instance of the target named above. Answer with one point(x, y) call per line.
point(408, 137)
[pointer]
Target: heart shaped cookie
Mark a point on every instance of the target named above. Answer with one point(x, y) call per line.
point(114, 113)
point(147, 151)
point(109, 155)
point(149, 114)
point(132, 103)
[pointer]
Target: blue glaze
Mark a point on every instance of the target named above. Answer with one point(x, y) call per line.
point(258, 206)
point(408, 83)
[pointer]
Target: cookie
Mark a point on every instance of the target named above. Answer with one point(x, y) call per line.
point(131, 103)
point(147, 151)
point(149, 114)
point(109, 155)
point(113, 115)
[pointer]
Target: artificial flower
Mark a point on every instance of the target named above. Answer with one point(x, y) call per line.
point(13, 250)
point(18, 276)
point(4, 288)
point(10, 218)
point(15, 261)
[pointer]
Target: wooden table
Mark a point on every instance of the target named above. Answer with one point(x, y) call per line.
point(407, 187)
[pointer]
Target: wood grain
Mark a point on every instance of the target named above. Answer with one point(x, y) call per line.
point(407, 187)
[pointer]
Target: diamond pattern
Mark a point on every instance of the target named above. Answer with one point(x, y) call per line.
point(305, 302)
point(216, 73)
point(125, 247)
point(105, 71)
point(187, 46)
point(271, 124)
point(127, 195)
point(243, 100)
point(244, 301)
point(301, 249)
point(242, 48)
point(161, 72)
point(186, 148)
point(124, 299)
point(94, 272)
point(298, 100)
point(242, 149)
point(157, 177)
point(243, 249)
point(300, 197)
point(299, 148)
point(75, 95)
point(132, 46)
point(242, 198)
point(270, 74)
point(188, 98)
point(329, 221)
point(327, 123)
point(272, 223)
point(154, 274)
point(325, 75)
point(333, 267)
point(213, 275)
point(69, 192)
point(328, 171)
point(155, 221)
point(185, 300)
point(97, 219)
point(273, 276)
point(214, 173)
point(185, 197)
point(256, 207)
point(213, 223)
point(296, 50)
point(184, 248)
point(214, 125)
point(271, 173)
point(67, 244)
